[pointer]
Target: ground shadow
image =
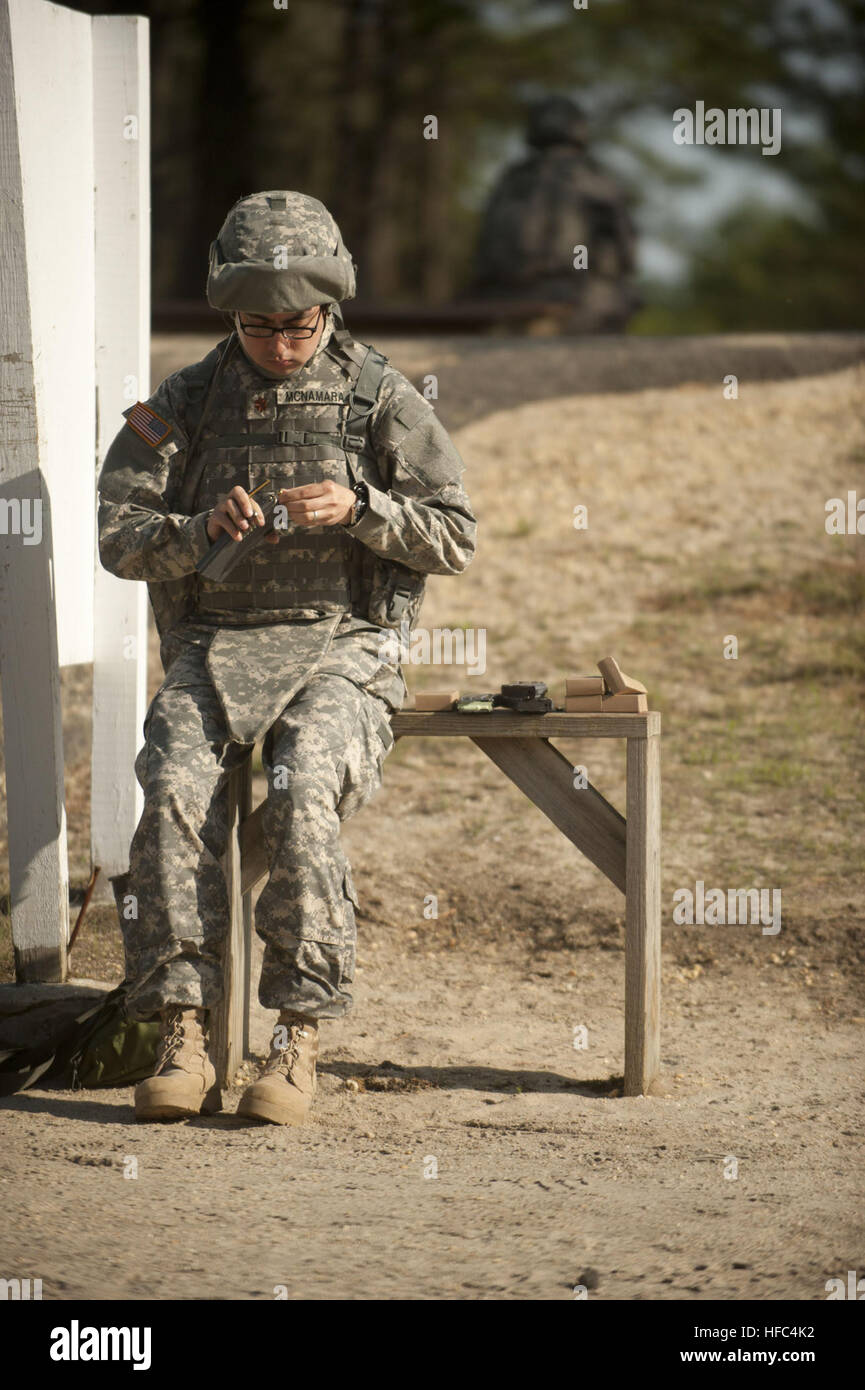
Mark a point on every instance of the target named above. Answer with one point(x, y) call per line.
point(385, 1077)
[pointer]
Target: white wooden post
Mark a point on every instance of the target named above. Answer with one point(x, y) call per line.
point(74, 105)
point(121, 133)
point(47, 433)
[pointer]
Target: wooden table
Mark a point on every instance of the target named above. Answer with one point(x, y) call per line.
point(625, 848)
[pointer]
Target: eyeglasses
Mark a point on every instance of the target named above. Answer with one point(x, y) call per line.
point(261, 330)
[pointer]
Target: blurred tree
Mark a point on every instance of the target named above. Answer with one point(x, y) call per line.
point(758, 270)
point(763, 269)
point(330, 96)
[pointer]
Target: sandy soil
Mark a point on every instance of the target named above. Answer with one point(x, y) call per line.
point(705, 519)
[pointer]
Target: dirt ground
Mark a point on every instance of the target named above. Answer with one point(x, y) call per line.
point(460, 1147)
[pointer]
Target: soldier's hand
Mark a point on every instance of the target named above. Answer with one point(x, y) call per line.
point(318, 504)
point(232, 515)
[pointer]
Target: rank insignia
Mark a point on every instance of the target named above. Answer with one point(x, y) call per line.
point(146, 423)
point(260, 405)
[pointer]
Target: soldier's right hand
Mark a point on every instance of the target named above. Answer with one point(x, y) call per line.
point(232, 513)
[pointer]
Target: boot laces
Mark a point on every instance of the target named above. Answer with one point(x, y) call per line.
point(173, 1040)
point(283, 1058)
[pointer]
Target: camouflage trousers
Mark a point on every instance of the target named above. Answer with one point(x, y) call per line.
point(323, 757)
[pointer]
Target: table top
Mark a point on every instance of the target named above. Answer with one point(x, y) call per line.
point(505, 723)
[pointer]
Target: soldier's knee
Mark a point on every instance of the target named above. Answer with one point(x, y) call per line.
point(302, 765)
point(303, 788)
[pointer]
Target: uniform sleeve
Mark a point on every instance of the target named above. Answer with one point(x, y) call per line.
point(139, 538)
point(424, 520)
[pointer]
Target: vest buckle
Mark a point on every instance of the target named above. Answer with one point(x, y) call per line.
point(398, 603)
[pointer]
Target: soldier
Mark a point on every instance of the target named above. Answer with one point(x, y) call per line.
point(291, 647)
point(543, 207)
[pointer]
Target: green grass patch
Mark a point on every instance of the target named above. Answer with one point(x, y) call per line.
point(777, 732)
point(827, 590)
point(771, 772)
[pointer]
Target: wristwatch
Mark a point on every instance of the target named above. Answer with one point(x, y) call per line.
point(361, 493)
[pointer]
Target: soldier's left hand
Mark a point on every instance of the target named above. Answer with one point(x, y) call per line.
point(318, 504)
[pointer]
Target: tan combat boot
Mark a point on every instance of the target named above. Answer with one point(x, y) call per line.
point(184, 1082)
point(284, 1091)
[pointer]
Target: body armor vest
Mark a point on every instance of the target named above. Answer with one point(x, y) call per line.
point(305, 429)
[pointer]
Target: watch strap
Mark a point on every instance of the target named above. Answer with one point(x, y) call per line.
point(361, 493)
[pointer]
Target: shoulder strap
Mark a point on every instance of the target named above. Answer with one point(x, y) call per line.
point(192, 476)
point(363, 397)
point(368, 379)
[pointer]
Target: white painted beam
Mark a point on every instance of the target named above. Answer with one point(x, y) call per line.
point(121, 134)
point(46, 434)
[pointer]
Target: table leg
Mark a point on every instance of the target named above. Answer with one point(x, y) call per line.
point(643, 915)
point(230, 1019)
point(244, 811)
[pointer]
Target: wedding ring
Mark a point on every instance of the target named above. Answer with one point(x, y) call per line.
point(314, 515)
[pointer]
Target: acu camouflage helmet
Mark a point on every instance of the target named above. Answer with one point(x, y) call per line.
point(556, 120)
point(279, 252)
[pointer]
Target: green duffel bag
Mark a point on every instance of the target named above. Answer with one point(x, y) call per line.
point(102, 1046)
point(118, 1051)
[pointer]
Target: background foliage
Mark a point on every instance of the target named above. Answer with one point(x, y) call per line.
point(329, 96)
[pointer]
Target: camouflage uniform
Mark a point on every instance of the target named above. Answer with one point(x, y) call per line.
point(288, 648)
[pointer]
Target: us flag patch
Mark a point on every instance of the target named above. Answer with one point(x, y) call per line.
point(148, 424)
